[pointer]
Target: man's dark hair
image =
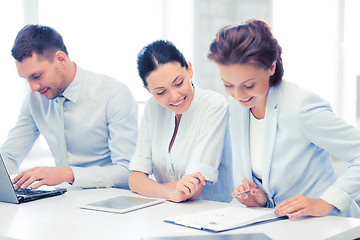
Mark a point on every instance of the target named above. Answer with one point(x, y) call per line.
point(42, 40)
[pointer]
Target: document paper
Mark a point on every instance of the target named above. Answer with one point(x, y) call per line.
point(225, 218)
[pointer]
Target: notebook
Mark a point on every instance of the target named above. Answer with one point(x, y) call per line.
point(122, 204)
point(10, 195)
point(226, 218)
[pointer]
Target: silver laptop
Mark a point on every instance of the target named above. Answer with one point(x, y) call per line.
point(10, 195)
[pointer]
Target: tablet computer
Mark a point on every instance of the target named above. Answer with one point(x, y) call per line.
point(122, 204)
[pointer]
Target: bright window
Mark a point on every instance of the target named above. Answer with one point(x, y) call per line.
point(320, 41)
point(351, 60)
point(103, 36)
point(11, 86)
point(307, 32)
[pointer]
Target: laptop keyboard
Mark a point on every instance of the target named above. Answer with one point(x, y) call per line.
point(28, 191)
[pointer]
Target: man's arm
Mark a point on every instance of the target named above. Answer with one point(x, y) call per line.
point(122, 124)
point(20, 139)
point(121, 135)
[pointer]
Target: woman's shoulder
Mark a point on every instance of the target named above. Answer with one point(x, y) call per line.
point(298, 100)
point(210, 97)
point(293, 94)
point(153, 109)
point(151, 105)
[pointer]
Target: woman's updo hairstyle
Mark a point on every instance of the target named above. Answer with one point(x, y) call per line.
point(157, 53)
point(250, 42)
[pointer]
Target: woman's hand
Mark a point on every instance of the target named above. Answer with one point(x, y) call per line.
point(188, 187)
point(255, 197)
point(300, 206)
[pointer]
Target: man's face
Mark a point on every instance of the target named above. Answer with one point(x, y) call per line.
point(43, 75)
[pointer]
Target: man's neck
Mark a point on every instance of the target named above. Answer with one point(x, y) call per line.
point(70, 72)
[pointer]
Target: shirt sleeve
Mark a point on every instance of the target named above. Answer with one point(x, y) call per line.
point(328, 131)
point(141, 160)
point(20, 139)
point(209, 144)
point(122, 123)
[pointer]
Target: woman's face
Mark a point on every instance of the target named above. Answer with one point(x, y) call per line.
point(247, 84)
point(171, 87)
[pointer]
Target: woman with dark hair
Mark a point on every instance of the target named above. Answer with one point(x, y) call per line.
point(282, 135)
point(182, 138)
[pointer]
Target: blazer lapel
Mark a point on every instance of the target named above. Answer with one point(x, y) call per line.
point(270, 130)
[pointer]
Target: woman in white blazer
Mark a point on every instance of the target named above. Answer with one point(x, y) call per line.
point(182, 138)
point(282, 135)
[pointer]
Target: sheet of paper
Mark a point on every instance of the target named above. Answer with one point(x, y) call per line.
point(225, 218)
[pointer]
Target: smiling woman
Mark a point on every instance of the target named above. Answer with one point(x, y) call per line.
point(183, 134)
point(293, 172)
point(248, 85)
point(171, 86)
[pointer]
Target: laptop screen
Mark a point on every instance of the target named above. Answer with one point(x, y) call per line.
point(7, 192)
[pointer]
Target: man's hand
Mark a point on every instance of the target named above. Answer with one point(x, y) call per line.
point(300, 206)
point(44, 176)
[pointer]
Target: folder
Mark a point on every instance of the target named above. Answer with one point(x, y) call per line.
point(226, 218)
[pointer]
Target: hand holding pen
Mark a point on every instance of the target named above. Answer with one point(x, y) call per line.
point(241, 193)
point(250, 194)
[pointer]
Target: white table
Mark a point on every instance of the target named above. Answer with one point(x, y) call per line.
point(61, 218)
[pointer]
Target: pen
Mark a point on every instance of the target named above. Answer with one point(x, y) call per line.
point(241, 193)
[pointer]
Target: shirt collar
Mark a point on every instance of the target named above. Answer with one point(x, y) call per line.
point(72, 92)
point(197, 93)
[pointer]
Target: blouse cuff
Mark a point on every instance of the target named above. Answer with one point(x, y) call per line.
point(209, 172)
point(140, 166)
point(337, 197)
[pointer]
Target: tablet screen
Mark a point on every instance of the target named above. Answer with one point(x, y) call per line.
point(123, 204)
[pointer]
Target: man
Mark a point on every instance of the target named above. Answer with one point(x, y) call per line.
point(88, 120)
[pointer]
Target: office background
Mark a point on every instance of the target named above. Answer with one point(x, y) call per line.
point(320, 41)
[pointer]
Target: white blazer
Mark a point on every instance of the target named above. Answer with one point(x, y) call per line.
point(301, 132)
